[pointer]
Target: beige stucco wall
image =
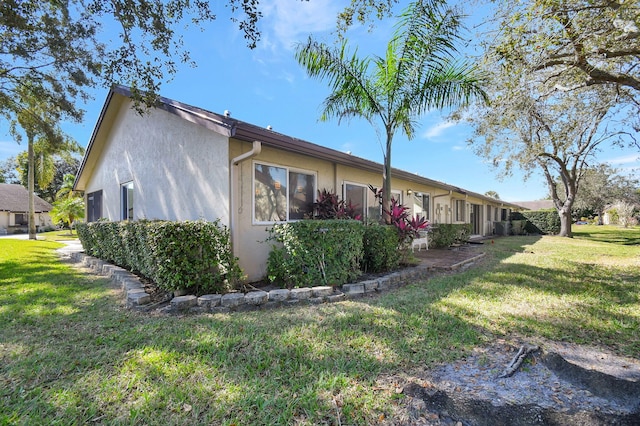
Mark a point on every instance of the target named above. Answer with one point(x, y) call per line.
point(250, 244)
point(8, 219)
point(179, 169)
point(4, 220)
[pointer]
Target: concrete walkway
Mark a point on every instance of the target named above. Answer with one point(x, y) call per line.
point(449, 259)
point(70, 246)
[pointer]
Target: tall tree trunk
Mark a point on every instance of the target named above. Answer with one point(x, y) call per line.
point(565, 221)
point(31, 188)
point(386, 177)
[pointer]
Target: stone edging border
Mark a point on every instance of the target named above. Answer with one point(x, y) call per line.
point(137, 298)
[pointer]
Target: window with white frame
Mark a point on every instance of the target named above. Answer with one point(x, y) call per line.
point(20, 219)
point(459, 213)
point(127, 201)
point(281, 193)
point(421, 205)
point(374, 206)
point(396, 195)
point(356, 194)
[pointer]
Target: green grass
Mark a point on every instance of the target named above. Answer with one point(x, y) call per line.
point(608, 234)
point(71, 354)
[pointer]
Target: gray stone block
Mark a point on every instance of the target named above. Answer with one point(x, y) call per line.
point(336, 297)
point(120, 275)
point(232, 300)
point(137, 298)
point(107, 269)
point(353, 289)
point(131, 284)
point(301, 293)
point(273, 304)
point(209, 300)
point(316, 300)
point(384, 284)
point(96, 265)
point(279, 295)
point(183, 303)
point(370, 286)
point(256, 298)
point(322, 291)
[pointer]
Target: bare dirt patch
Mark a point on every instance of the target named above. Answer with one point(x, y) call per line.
point(561, 384)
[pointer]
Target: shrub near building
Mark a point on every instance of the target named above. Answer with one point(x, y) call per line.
point(193, 255)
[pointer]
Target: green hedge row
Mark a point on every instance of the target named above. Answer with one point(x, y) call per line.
point(194, 255)
point(444, 235)
point(315, 252)
point(312, 252)
point(381, 251)
point(539, 222)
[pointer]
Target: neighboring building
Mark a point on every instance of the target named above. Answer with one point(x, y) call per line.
point(536, 205)
point(14, 209)
point(179, 162)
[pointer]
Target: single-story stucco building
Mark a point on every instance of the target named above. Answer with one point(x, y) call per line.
point(180, 162)
point(14, 209)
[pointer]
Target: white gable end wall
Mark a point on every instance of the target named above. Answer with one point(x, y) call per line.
point(179, 170)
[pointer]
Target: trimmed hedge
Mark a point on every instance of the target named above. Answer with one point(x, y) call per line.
point(539, 222)
point(444, 235)
point(315, 252)
point(194, 255)
point(380, 244)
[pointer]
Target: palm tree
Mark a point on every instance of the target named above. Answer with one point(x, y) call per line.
point(68, 210)
point(418, 73)
point(66, 189)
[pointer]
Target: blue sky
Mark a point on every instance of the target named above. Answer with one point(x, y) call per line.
point(266, 86)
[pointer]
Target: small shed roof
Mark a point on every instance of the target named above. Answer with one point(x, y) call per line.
point(15, 198)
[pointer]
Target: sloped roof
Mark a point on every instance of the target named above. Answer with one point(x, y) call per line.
point(248, 132)
point(536, 205)
point(15, 198)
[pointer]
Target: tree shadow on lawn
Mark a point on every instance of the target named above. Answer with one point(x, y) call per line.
point(609, 234)
point(299, 364)
point(296, 364)
point(74, 353)
point(582, 303)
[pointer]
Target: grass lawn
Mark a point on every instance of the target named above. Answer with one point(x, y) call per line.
point(71, 354)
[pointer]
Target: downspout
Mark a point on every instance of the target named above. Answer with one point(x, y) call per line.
point(255, 150)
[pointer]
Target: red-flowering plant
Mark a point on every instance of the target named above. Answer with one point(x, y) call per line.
point(328, 206)
point(408, 227)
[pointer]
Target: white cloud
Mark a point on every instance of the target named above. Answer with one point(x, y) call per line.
point(437, 130)
point(627, 159)
point(459, 148)
point(287, 22)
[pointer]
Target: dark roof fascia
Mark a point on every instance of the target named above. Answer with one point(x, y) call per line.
point(201, 117)
point(247, 132)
